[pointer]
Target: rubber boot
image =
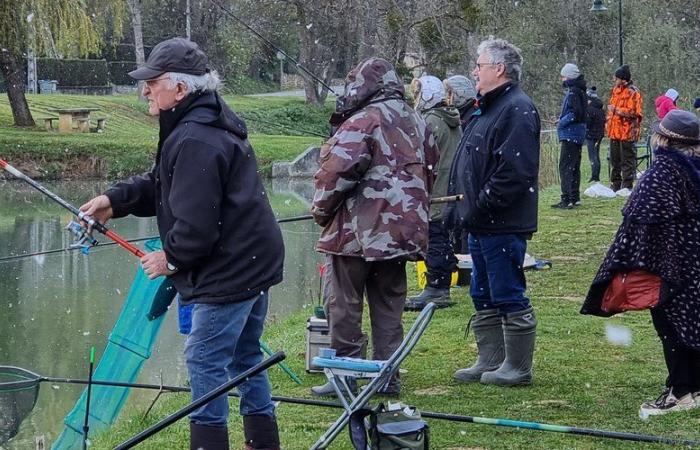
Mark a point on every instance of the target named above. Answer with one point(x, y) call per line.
point(519, 337)
point(204, 437)
point(326, 390)
point(261, 432)
point(439, 296)
point(488, 331)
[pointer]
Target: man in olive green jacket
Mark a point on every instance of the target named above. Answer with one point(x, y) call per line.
point(444, 122)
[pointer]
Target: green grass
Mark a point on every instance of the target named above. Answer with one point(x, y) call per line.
point(580, 379)
point(277, 126)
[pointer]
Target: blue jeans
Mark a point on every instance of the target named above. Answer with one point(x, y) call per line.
point(225, 341)
point(498, 280)
point(440, 258)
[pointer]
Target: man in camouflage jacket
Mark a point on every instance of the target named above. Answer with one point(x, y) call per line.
point(372, 198)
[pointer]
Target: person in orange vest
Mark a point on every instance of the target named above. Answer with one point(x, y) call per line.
point(623, 127)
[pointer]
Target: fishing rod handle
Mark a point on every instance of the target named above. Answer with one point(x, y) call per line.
point(80, 214)
point(447, 199)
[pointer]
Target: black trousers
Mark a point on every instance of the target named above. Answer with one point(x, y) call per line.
point(594, 157)
point(683, 362)
point(570, 171)
point(623, 164)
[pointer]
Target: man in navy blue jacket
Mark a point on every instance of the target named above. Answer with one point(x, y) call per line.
point(222, 246)
point(496, 168)
point(571, 129)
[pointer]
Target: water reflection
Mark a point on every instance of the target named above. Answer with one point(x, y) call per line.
point(55, 307)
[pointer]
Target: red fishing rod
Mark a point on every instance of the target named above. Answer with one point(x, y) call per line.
point(78, 213)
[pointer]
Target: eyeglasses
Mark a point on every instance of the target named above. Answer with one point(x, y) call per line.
point(480, 65)
point(153, 82)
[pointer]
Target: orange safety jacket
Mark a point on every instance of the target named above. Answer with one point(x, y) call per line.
point(624, 122)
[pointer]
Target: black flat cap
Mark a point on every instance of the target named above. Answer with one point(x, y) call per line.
point(679, 125)
point(174, 55)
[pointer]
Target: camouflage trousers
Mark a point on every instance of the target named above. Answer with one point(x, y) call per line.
point(384, 282)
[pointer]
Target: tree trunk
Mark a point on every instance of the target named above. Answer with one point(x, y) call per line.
point(136, 25)
point(13, 70)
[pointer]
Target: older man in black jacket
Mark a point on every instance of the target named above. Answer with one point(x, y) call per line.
point(222, 247)
point(496, 169)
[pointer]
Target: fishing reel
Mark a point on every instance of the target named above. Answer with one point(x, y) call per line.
point(83, 239)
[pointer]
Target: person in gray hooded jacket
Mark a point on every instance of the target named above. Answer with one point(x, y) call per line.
point(444, 122)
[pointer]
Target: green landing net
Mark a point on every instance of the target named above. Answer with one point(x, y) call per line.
point(129, 345)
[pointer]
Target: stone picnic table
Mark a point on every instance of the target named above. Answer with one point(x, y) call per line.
point(69, 116)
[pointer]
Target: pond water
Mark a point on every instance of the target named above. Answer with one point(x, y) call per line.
point(55, 307)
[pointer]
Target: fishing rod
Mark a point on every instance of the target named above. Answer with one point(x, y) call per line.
point(433, 201)
point(216, 392)
point(286, 127)
point(33, 378)
point(273, 46)
point(94, 224)
point(86, 424)
point(68, 249)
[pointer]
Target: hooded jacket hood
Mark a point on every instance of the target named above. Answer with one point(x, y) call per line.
point(372, 79)
point(204, 107)
point(447, 114)
point(596, 102)
point(431, 93)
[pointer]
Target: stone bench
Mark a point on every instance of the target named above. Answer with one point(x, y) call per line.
point(100, 124)
point(83, 124)
point(48, 122)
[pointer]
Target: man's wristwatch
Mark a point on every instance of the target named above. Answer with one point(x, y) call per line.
point(170, 267)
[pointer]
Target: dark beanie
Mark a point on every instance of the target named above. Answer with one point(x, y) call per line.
point(696, 103)
point(623, 72)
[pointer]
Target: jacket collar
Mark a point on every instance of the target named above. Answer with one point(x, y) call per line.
point(486, 100)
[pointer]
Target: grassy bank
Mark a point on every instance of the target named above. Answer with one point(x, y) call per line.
point(280, 129)
point(580, 378)
point(278, 126)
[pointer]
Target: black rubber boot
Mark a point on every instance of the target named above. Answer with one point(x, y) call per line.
point(261, 432)
point(203, 437)
point(488, 331)
point(519, 336)
point(439, 296)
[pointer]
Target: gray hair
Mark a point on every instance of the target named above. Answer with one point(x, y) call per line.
point(210, 81)
point(503, 52)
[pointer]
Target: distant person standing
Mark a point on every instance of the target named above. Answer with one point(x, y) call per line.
point(571, 130)
point(444, 122)
point(623, 127)
point(666, 103)
point(595, 130)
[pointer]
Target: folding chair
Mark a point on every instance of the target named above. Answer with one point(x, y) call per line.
point(380, 372)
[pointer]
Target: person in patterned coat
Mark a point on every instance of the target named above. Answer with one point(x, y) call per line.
point(372, 200)
point(659, 235)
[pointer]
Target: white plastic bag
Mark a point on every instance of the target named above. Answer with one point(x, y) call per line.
point(625, 192)
point(597, 190)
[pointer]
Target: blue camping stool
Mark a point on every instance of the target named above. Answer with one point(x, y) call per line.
point(379, 372)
